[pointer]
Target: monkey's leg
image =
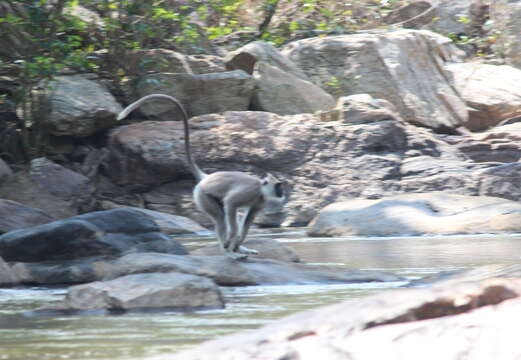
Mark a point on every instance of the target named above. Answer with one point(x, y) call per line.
point(247, 220)
point(230, 215)
point(213, 208)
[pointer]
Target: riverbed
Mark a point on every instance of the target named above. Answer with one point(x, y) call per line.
point(142, 335)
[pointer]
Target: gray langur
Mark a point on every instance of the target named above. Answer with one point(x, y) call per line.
point(221, 194)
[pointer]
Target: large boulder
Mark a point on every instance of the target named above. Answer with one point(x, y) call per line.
point(199, 93)
point(111, 232)
point(505, 16)
point(475, 318)
point(145, 291)
point(221, 269)
point(14, 215)
point(419, 214)
point(247, 56)
point(404, 67)
point(169, 61)
point(285, 94)
point(491, 92)
point(77, 106)
point(56, 190)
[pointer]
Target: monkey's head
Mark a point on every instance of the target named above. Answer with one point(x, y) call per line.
point(273, 190)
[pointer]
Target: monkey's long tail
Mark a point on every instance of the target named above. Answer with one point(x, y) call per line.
point(196, 171)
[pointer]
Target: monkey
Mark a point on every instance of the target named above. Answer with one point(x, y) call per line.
point(220, 195)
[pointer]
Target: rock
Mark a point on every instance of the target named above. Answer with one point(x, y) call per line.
point(5, 172)
point(146, 291)
point(172, 224)
point(506, 28)
point(168, 61)
point(7, 275)
point(404, 67)
point(14, 215)
point(283, 93)
point(110, 232)
point(77, 106)
point(418, 214)
point(412, 16)
point(491, 92)
point(321, 162)
point(360, 109)
point(57, 191)
point(221, 269)
point(267, 248)
point(247, 56)
point(503, 181)
point(199, 93)
point(405, 323)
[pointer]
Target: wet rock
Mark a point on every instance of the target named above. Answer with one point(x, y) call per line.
point(110, 232)
point(7, 275)
point(15, 216)
point(406, 324)
point(419, 214)
point(5, 171)
point(267, 248)
point(221, 269)
point(172, 291)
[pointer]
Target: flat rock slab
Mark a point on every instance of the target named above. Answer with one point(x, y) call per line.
point(14, 215)
point(418, 214)
point(267, 248)
point(223, 270)
point(478, 319)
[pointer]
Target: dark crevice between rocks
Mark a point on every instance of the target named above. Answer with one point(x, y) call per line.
point(443, 307)
point(300, 335)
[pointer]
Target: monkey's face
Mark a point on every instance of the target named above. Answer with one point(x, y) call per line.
point(273, 190)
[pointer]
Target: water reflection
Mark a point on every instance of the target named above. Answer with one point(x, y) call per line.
point(137, 336)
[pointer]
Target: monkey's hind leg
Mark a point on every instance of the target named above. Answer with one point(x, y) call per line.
point(232, 233)
point(247, 220)
point(213, 208)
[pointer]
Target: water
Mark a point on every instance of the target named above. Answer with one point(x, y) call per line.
point(138, 336)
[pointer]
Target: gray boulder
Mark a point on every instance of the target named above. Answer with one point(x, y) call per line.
point(419, 214)
point(14, 215)
point(146, 291)
point(404, 67)
point(491, 92)
point(199, 93)
point(505, 16)
point(56, 190)
point(111, 232)
point(285, 94)
point(77, 106)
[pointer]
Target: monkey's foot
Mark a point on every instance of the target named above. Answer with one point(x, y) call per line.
point(245, 250)
point(236, 255)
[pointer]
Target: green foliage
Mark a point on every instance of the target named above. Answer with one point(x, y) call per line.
point(44, 38)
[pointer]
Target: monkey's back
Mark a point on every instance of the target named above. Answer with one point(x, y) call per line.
point(232, 184)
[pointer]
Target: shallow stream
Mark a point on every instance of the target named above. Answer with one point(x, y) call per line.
point(138, 336)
